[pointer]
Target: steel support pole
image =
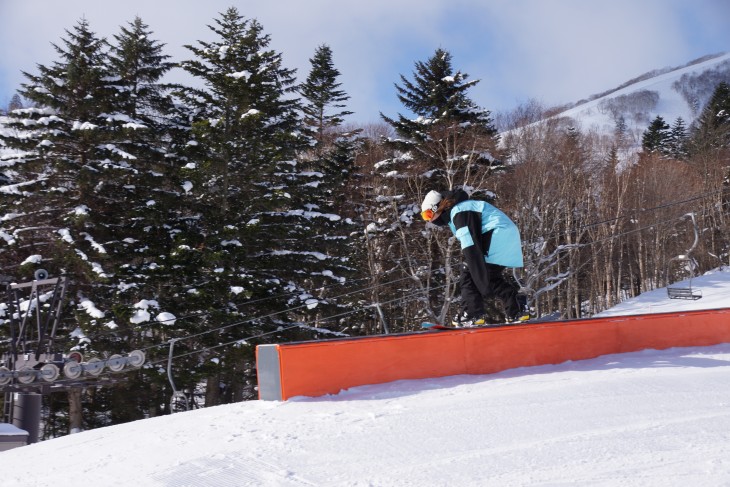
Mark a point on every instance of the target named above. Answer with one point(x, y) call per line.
point(27, 414)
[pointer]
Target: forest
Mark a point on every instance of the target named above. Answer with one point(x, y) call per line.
point(244, 209)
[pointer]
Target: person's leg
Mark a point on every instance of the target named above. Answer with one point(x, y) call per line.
point(470, 295)
point(504, 290)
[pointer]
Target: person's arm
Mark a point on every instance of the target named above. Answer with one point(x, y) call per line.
point(474, 246)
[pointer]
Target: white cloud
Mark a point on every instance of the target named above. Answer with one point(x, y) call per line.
point(561, 51)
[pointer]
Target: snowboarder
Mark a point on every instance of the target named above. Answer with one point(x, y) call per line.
point(490, 242)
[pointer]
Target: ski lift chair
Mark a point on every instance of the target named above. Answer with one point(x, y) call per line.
point(687, 262)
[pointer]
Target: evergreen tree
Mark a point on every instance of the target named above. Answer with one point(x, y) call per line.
point(142, 185)
point(76, 87)
point(243, 114)
point(620, 129)
point(677, 146)
point(142, 102)
point(322, 93)
point(127, 219)
point(242, 161)
point(449, 126)
point(656, 137)
point(90, 164)
point(61, 144)
point(16, 103)
point(711, 130)
point(144, 194)
point(326, 170)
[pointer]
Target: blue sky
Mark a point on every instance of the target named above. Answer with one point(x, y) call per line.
point(552, 51)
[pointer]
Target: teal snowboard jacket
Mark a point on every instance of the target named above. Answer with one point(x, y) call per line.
point(486, 235)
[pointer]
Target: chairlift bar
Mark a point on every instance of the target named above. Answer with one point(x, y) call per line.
point(42, 282)
point(51, 317)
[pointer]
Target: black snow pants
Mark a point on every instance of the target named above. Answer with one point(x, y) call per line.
point(497, 287)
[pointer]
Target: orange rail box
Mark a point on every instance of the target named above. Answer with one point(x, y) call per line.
point(326, 367)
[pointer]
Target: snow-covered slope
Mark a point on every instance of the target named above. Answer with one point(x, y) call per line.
point(653, 418)
point(714, 287)
point(661, 94)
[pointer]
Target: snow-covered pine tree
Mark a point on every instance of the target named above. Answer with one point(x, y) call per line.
point(63, 142)
point(61, 145)
point(245, 133)
point(324, 101)
point(142, 187)
point(142, 181)
point(320, 228)
point(709, 145)
point(453, 137)
point(142, 102)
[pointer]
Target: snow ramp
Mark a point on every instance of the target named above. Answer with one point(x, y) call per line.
point(322, 367)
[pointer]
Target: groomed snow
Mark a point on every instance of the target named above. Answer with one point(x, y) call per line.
point(651, 418)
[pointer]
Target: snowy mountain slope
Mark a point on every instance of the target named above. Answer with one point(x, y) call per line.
point(652, 418)
point(713, 286)
point(639, 106)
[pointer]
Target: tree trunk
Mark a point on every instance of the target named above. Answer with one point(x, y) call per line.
point(75, 411)
point(213, 391)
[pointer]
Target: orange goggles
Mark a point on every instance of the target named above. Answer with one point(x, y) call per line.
point(428, 215)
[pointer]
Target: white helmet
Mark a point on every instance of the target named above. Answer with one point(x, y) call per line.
point(430, 205)
point(431, 201)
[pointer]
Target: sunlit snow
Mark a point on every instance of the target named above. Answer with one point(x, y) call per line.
point(651, 418)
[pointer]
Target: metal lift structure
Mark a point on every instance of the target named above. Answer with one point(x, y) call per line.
point(684, 263)
point(31, 363)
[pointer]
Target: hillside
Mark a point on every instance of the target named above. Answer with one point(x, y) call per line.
point(669, 93)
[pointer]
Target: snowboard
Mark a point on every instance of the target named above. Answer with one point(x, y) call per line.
point(435, 326)
point(428, 325)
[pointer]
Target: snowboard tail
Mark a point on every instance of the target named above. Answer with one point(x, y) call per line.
point(435, 326)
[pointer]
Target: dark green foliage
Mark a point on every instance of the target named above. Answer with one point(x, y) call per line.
point(138, 65)
point(659, 138)
point(711, 131)
point(678, 139)
point(448, 126)
point(318, 230)
point(92, 159)
point(242, 115)
point(436, 95)
point(142, 188)
point(62, 143)
point(243, 144)
point(656, 138)
point(244, 255)
point(324, 100)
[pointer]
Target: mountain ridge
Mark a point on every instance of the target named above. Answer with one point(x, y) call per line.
point(671, 93)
